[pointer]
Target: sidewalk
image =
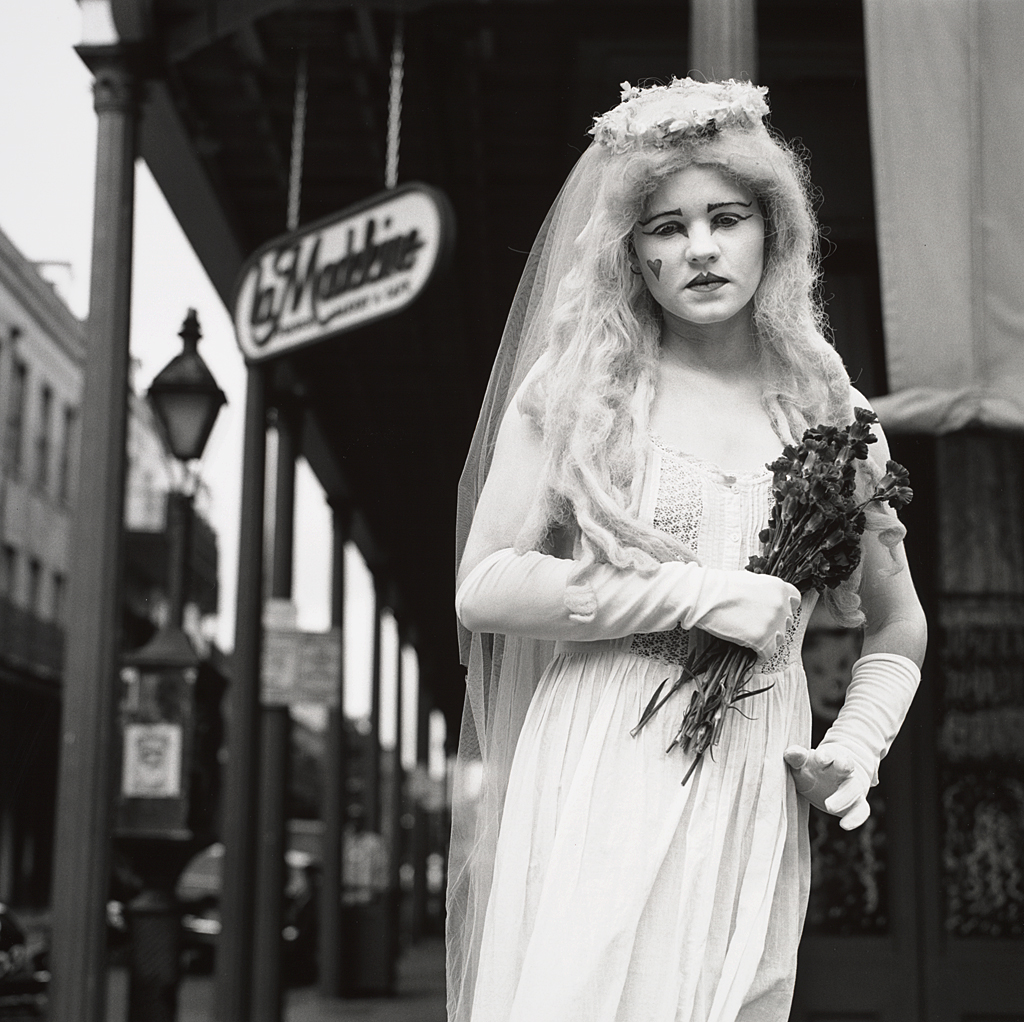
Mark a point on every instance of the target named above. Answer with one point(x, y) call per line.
point(420, 996)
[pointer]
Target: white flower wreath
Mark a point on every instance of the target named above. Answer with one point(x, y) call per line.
point(662, 114)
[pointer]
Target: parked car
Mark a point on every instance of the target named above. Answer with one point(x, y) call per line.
point(23, 973)
point(199, 892)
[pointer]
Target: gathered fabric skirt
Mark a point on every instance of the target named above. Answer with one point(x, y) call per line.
point(621, 895)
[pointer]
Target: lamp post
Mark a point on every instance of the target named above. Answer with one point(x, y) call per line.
point(158, 823)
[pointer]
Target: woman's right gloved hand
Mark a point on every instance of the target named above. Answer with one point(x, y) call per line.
point(529, 594)
point(752, 610)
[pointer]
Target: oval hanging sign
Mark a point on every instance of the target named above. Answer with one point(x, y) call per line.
point(366, 262)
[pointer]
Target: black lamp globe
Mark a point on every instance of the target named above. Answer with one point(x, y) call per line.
point(185, 396)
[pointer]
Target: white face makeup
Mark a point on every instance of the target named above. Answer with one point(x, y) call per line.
point(700, 246)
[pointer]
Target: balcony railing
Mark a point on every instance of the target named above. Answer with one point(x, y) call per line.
point(30, 643)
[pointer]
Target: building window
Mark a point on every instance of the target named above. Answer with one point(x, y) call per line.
point(35, 585)
point(59, 587)
point(44, 436)
point(16, 417)
point(66, 453)
point(8, 571)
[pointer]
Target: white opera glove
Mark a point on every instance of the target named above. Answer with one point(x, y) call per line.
point(837, 775)
point(529, 594)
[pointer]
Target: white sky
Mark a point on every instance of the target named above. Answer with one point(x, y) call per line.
point(47, 163)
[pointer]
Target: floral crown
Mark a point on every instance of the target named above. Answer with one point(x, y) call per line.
point(661, 115)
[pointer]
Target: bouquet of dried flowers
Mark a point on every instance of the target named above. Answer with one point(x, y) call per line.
point(812, 541)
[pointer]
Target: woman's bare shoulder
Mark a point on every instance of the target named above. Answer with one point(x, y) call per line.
point(858, 399)
point(881, 453)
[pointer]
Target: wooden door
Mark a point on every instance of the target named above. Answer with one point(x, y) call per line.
point(944, 942)
point(973, 799)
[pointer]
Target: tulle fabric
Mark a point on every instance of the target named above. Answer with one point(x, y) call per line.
point(502, 671)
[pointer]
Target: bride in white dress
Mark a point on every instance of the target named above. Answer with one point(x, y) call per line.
point(663, 346)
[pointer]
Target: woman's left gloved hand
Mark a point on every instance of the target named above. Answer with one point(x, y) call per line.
point(837, 775)
point(829, 778)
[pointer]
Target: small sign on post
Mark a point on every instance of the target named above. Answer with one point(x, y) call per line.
point(301, 667)
point(344, 271)
point(152, 761)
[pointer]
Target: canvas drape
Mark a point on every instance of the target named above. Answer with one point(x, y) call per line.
point(946, 95)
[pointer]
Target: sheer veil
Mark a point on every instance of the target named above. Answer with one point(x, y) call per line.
point(502, 671)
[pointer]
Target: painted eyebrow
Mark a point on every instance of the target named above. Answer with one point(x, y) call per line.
point(679, 212)
point(654, 216)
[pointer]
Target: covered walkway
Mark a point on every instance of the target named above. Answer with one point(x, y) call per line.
point(419, 996)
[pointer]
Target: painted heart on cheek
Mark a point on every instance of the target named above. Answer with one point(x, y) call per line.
point(655, 267)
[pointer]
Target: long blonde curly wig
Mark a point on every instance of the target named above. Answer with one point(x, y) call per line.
point(592, 392)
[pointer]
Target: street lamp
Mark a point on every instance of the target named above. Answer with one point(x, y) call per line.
point(159, 821)
point(185, 396)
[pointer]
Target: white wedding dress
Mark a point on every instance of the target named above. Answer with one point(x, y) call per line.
point(620, 895)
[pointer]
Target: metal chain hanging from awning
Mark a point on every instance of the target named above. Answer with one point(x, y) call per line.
point(395, 104)
point(299, 123)
point(298, 142)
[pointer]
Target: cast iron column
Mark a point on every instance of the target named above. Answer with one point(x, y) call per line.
point(420, 848)
point(234, 950)
point(395, 804)
point(335, 797)
point(89, 749)
point(373, 807)
point(723, 38)
point(275, 745)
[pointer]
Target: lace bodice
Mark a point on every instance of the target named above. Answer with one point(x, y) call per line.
point(718, 515)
